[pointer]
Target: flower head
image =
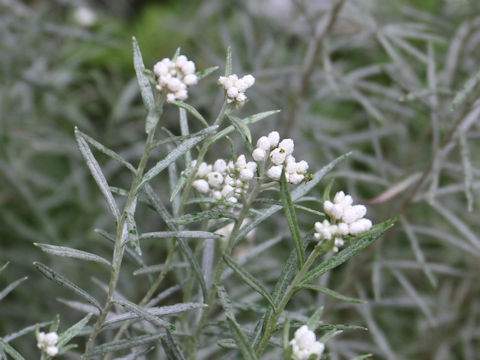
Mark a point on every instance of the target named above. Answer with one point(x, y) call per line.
point(235, 87)
point(304, 344)
point(47, 343)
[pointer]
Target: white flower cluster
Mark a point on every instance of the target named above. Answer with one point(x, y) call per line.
point(175, 76)
point(236, 87)
point(47, 343)
point(280, 154)
point(224, 180)
point(349, 220)
point(304, 344)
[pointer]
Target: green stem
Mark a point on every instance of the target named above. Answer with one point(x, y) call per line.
point(119, 241)
point(220, 266)
point(271, 323)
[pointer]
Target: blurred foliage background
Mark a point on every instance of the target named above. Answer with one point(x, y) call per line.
point(374, 77)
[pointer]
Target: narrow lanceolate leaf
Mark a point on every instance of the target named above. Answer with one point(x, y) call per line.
point(123, 344)
point(144, 314)
point(296, 194)
point(329, 335)
point(24, 331)
point(59, 279)
point(249, 279)
point(11, 286)
point(10, 350)
point(314, 322)
point(186, 234)
point(97, 174)
point(191, 110)
point(133, 233)
point(356, 246)
point(204, 73)
point(145, 88)
point(332, 293)
point(247, 121)
point(467, 169)
point(241, 127)
point(467, 89)
point(187, 252)
point(72, 331)
point(174, 155)
point(71, 253)
point(106, 151)
point(201, 216)
point(291, 219)
point(171, 347)
point(243, 343)
point(362, 357)
point(228, 62)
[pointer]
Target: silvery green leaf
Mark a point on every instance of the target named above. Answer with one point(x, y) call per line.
point(187, 252)
point(185, 131)
point(4, 266)
point(228, 62)
point(72, 331)
point(191, 110)
point(314, 322)
point(59, 279)
point(331, 293)
point(185, 234)
point(249, 279)
point(133, 233)
point(243, 343)
point(467, 89)
point(11, 286)
point(174, 155)
point(467, 169)
point(329, 335)
point(10, 350)
point(204, 215)
point(97, 174)
point(296, 194)
point(247, 121)
point(24, 331)
point(128, 251)
point(204, 73)
point(241, 127)
point(291, 219)
point(80, 306)
point(171, 347)
point(286, 339)
point(158, 268)
point(143, 313)
point(145, 88)
point(357, 245)
point(123, 344)
point(362, 357)
point(72, 253)
point(106, 151)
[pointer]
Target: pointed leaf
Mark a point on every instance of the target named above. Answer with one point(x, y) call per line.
point(123, 344)
point(191, 110)
point(10, 350)
point(143, 313)
point(332, 293)
point(314, 322)
point(174, 155)
point(97, 174)
point(145, 88)
point(228, 62)
point(185, 234)
point(244, 345)
point(204, 73)
point(241, 127)
point(72, 331)
point(357, 245)
point(249, 279)
point(71, 253)
point(291, 218)
point(11, 286)
point(59, 279)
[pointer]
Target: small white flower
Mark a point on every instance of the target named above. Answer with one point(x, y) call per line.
point(220, 165)
point(295, 178)
point(343, 229)
point(264, 143)
point(277, 156)
point(215, 179)
point(241, 162)
point(275, 172)
point(203, 170)
point(51, 338)
point(181, 60)
point(188, 68)
point(304, 344)
point(85, 17)
point(259, 154)
point(249, 80)
point(241, 98)
point(286, 146)
point(246, 175)
point(51, 350)
point(354, 213)
point(360, 226)
point(232, 92)
point(190, 79)
point(302, 167)
point(201, 186)
point(274, 138)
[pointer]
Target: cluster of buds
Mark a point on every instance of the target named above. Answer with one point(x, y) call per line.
point(175, 76)
point(347, 219)
point(235, 87)
point(47, 343)
point(305, 346)
point(222, 180)
point(280, 155)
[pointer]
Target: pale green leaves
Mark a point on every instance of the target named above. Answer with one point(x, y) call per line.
point(153, 114)
point(71, 253)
